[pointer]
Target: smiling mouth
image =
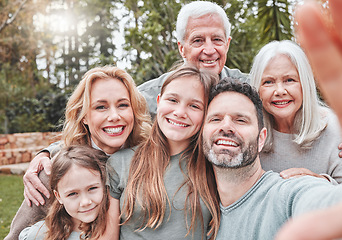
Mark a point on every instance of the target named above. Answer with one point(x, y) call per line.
point(87, 211)
point(226, 143)
point(176, 123)
point(114, 130)
point(209, 61)
point(281, 102)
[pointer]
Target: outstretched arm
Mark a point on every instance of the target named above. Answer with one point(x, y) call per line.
point(321, 38)
point(319, 225)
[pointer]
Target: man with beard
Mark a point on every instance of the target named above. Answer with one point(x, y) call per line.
point(254, 203)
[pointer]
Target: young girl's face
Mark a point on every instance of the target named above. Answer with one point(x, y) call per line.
point(180, 111)
point(80, 191)
point(110, 118)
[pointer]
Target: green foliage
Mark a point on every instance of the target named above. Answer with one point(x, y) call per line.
point(150, 43)
point(11, 197)
point(41, 114)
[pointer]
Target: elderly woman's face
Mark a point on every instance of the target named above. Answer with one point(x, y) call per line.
point(110, 118)
point(281, 90)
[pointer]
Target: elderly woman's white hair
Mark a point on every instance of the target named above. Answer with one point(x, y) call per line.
point(308, 123)
point(198, 9)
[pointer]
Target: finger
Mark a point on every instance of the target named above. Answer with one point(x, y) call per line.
point(27, 200)
point(46, 162)
point(37, 185)
point(340, 146)
point(340, 154)
point(294, 172)
point(323, 53)
point(336, 8)
point(29, 197)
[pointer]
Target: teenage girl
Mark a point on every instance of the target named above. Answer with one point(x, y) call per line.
point(163, 190)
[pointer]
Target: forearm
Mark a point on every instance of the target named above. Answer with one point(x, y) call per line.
point(27, 216)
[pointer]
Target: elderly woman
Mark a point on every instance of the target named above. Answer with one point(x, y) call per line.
point(303, 135)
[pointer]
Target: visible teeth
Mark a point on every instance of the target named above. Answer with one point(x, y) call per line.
point(113, 130)
point(281, 103)
point(210, 61)
point(177, 124)
point(226, 142)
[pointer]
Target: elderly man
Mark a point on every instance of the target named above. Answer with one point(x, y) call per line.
point(254, 203)
point(203, 34)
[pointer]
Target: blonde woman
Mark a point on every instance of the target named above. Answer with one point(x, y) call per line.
point(106, 112)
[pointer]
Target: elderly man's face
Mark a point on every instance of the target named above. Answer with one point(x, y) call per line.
point(205, 44)
point(231, 137)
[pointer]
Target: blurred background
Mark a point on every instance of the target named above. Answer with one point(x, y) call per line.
point(47, 45)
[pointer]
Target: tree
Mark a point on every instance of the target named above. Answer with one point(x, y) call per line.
point(150, 43)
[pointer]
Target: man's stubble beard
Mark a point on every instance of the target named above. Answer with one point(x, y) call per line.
point(228, 159)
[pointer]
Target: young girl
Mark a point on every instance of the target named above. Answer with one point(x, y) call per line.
point(162, 188)
point(79, 208)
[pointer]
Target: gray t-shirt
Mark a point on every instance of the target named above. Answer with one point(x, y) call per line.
point(37, 232)
point(259, 214)
point(174, 225)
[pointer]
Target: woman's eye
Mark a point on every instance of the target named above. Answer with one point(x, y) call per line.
point(124, 105)
point(71, 194)
point(290, 80)
point(195, 106)
point(93, 188)
point(100, 107)
point(267, 82)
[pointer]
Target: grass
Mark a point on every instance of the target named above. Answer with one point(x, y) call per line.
point(11, 197)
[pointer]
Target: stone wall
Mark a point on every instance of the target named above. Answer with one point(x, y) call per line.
point(22, 147)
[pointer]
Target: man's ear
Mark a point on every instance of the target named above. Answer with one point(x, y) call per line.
point(228, 42)
point(181, 49)
point(262, 138)
point(158, 99)
point(58, 197)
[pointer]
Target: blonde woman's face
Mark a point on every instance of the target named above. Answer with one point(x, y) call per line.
point(180, 111)
point(110, 118)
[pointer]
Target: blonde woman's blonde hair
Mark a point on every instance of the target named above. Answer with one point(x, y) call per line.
point(308, 123)
point(76, 132)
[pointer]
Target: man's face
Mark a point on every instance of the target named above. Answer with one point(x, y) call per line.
point(231, 138)
point(205, 44)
